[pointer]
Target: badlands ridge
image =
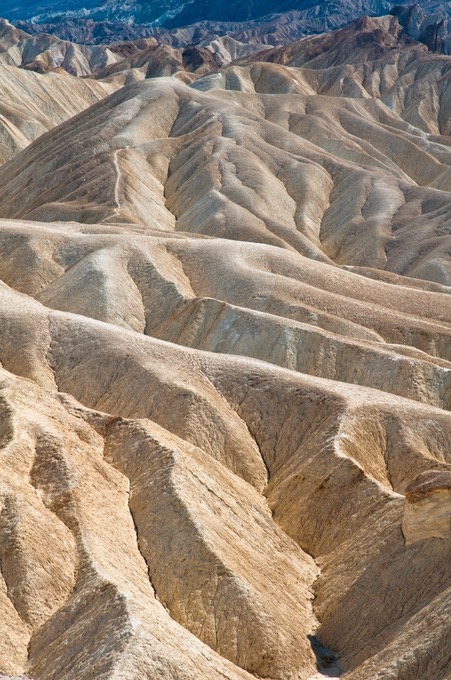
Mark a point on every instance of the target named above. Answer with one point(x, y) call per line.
point(225, 359)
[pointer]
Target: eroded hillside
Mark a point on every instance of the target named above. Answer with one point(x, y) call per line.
point(225, 383)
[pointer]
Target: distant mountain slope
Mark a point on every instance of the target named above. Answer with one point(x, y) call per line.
point(31, 103)
point(44, 52)
point(434, 30)
point(316, 14)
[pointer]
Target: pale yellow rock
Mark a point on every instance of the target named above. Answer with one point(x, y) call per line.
point(427, 511)
point(225, 361)
point(31, 104)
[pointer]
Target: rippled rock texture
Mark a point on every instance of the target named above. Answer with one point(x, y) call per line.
point(225, 378)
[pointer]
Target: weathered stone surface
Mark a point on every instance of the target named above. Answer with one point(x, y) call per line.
point(428, 507)
point(225, 370)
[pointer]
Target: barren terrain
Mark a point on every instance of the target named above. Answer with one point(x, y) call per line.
point(225, 362)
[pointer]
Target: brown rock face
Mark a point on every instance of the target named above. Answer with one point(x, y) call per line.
point(428, 507)
point(428, 483)
point(225, 365)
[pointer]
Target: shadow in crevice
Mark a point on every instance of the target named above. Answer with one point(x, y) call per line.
point(326, 661)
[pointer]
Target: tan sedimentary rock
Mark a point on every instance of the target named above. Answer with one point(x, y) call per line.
point(108, 618)
point(44, 52)
point(428, 507)
point(225, 369)
point(31, 104)
point(164, 155)
point(222, 587)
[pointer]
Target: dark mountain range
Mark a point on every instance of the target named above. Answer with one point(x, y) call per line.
point(434, 30)
point(180, 24)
